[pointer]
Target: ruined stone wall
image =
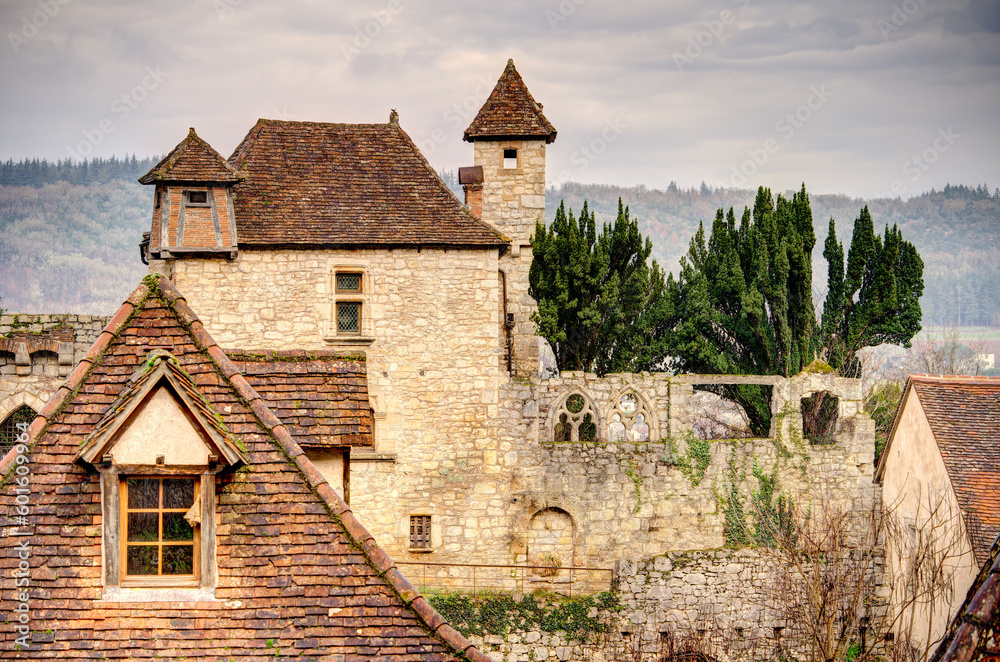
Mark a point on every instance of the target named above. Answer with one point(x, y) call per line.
point(668, 492)
point(37, 352)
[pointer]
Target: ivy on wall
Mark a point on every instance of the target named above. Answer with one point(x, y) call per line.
point(499, 614)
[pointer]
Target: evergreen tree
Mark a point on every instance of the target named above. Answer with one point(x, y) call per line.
point(599, 299)
point(742, 301)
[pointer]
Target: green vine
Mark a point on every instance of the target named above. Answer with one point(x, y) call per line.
point(694, 463)
point(500, 614)
point(734, 528)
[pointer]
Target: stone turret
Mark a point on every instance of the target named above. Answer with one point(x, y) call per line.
point(510, 134)
point(193, 205)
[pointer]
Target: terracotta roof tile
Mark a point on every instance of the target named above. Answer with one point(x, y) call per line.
point(321, 397)
point(193, 160)
point(974, 633)
point(278, 507)
point(964, 415)
point(510, 112)
point(311, 184)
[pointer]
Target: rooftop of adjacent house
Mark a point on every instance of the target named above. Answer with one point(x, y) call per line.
point(192, 160)
point(967, 637)
point(510, 112)
point(321, 397)
point(964, 416)
point(312, 183)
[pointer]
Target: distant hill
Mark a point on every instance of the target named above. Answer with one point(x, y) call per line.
point(70, 233)
point(955, 230)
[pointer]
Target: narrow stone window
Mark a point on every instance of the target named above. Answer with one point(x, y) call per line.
point(160, 540)
point(510, 159)
point(348, 317)
point(420, 531)
point(8, 429)
point(348, 289)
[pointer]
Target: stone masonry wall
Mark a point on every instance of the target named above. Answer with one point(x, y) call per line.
point(31, 365)
point(513, 201)
point(650, 497)
point(433, 373)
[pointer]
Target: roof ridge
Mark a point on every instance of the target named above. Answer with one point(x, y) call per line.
point(158, 285)
point(200, 170)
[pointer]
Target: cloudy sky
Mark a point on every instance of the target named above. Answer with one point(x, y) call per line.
point(862, 97)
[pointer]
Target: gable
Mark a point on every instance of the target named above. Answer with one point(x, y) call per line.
point(286, 545)
point(160, 428)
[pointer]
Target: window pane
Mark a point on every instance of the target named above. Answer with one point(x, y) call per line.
point(143, 527)
point(178, 492)
point(142, 559)
point(143, 493)
point(8, 430)
point(178, 559)
point(348, 317)
point(348, 282)
point(175, 527)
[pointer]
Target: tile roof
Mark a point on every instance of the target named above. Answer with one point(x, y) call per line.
point(321, 396)
point(974, 634)
point(316, 184)
point(964, 415)
point(296, 569)
point(193, 160)
point(145, 378)
point(510, 112)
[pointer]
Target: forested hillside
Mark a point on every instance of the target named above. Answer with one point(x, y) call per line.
point(69, 234)
point(956, 231)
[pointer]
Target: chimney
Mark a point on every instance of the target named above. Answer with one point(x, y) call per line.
point(471, 179)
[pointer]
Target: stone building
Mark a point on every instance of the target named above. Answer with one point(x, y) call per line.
point(159, 507)
point(315, 246)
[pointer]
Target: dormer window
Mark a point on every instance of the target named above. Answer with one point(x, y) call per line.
point(197, 198)
point(510, 159)
point(158, 450)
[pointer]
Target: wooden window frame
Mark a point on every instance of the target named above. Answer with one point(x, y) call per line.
point(420, 532)
point(189, 203)
point(160, 580)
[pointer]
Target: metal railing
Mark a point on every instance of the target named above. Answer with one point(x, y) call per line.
point(479, 577)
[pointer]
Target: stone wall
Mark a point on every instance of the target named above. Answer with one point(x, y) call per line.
point(37, 352)
point(432, 340)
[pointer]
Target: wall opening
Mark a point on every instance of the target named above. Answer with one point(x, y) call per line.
point(731, 411)
point(820, 413)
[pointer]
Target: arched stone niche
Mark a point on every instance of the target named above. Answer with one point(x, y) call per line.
point(551, 543)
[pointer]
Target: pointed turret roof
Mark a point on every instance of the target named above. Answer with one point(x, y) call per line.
point(193, 160)
point(510, 112)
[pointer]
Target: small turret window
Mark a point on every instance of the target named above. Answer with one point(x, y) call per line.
point(510, 159)
point(197, 197)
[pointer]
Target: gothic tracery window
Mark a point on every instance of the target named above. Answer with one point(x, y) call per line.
point(629, 420)
point(576, 420)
